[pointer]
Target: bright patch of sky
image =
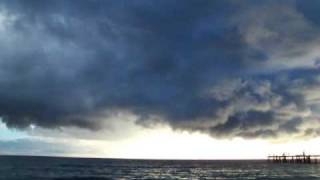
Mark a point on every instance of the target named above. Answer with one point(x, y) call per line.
point(158, 142)
point(10, 134)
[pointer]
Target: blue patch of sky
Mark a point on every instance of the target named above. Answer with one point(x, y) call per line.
point(10, 134)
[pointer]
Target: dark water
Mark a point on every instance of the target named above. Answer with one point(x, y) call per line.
point(35, 168)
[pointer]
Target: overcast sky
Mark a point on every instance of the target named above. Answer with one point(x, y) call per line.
point(106, 73)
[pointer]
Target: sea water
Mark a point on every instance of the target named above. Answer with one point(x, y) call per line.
point(36, 168)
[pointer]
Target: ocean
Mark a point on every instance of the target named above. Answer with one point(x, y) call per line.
point(56, 168)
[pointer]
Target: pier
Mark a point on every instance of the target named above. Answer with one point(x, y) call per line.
point(295, 159)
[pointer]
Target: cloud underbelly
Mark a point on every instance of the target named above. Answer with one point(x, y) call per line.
point(204, 69)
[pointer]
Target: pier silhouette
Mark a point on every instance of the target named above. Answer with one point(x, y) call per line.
point(295, 159)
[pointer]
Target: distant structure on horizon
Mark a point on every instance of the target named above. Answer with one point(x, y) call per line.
point(295, 159)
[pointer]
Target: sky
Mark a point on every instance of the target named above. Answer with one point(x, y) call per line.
point(171, 79)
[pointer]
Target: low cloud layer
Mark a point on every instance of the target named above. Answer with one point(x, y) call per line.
point(32, 147)
point(227, 68)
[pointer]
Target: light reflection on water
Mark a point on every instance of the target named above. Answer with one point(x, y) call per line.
point(16, 168)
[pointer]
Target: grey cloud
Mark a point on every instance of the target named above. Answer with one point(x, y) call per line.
point(225, 68)
point(256, 110)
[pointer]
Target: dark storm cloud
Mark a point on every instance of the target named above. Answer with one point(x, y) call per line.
point(228, 68)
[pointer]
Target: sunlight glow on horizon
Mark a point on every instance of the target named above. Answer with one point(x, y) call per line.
point(167, 144)
point(162, 142)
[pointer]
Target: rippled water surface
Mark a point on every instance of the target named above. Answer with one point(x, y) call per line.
point(12, 167)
